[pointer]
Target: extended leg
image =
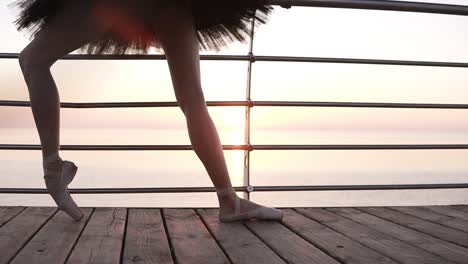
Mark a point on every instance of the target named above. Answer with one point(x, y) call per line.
point(67, 31)
point(178, 38)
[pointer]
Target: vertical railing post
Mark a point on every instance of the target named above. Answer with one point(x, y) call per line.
point(247, 113)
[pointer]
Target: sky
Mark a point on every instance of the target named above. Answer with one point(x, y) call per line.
point(299, 31)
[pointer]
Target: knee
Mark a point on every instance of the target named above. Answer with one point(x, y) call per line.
point(25, 59)
point(194, 109)
point(31, 60)
point(192, 102)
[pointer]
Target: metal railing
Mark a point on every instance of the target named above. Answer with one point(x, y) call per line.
point(248, 104)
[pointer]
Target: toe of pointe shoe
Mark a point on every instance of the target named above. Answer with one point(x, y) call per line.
point(264, 213)
point(281, 216)
point(273, 214)
point(72, 209)
point(77, 214)
point(79, 218)
point(74, 213)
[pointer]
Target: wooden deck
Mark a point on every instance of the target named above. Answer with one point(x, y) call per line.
point(431, 234)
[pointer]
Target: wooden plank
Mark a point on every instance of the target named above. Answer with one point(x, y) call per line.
point(191, 240)
point(145, 238)
point(427, 227)
point(238, 242)
point(335, 244)
point(433, 216)
point(292, 247)
point(380, 242)
point(15, 233)
point(101, 240)
point(8, 212)
point(53, 242)
point(438, 246)
point(463, 207)
point(445, 210)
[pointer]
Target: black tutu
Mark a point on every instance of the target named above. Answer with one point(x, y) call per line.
point(218, 23)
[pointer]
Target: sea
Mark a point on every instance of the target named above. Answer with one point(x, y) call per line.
point(182, 168)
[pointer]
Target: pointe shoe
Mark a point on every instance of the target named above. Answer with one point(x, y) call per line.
point(261, 213)
point(69, 171)
point(57, 175)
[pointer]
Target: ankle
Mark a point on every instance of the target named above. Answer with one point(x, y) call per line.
point(51, 158)
point(51, 163)
point(227, 194)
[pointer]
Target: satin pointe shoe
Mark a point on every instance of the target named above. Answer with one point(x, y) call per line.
point(69, 171)
point(57, 175)
point(261, 213)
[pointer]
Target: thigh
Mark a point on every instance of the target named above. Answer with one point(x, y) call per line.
point(177, 35)
point(74, 26)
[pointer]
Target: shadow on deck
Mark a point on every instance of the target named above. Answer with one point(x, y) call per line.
point(412, 234)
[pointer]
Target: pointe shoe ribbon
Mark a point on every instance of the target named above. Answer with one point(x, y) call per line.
point(57, 175)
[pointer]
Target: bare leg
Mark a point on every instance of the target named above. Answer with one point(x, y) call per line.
point(67, 31)
point(182, 52)
point(178, 39)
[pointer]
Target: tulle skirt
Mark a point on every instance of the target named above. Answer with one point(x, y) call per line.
point(217, 22)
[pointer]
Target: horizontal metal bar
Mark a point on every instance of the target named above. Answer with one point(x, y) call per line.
point(113, 147)
point(360, 61)
point(245, 103)
point(259, 58)
point(123, 104)
point(234, 147)
point(359, 104)
point(242, 188)
point(132, 57)
point(378, 5)
point(358, 147)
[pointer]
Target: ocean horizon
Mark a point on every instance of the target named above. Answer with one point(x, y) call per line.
point(125, 169)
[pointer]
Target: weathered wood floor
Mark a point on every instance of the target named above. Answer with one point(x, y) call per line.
point(432, 234)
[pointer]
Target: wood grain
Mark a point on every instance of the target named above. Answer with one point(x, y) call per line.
point(17, 232)
point(333, 243)
point(190, 238)
point(54, 241)
point(241, 245)
point(432, 244)
point(101, 240)
point(146, 240)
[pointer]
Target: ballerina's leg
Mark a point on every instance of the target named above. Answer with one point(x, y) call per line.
point(67, 31)
point(178, 39)
point(181, 48)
